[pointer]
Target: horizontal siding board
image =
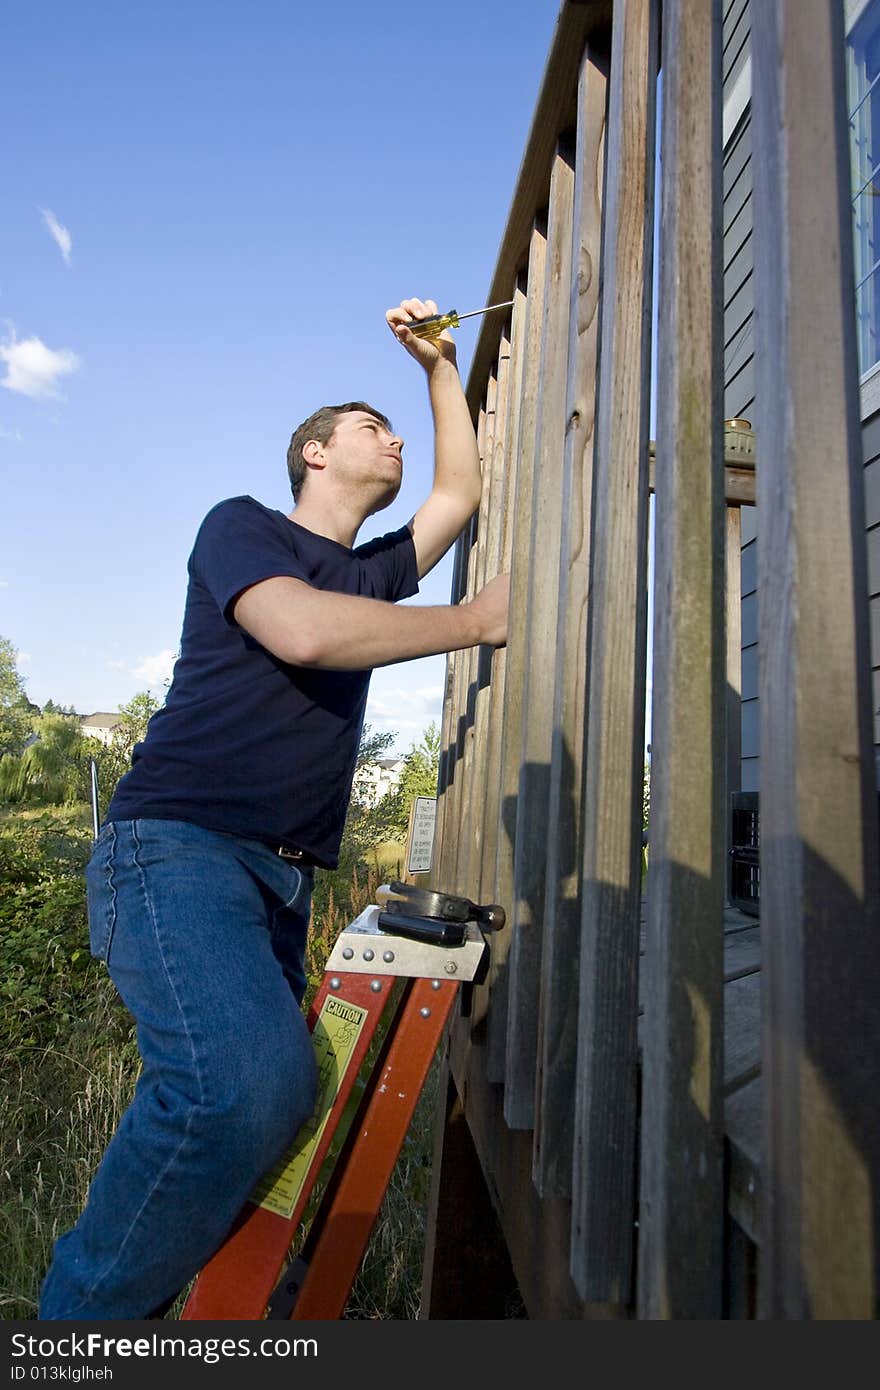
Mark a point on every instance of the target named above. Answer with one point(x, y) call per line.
point(750, 673)
point(739, 395)
point(750, 738)
point(736, 158)
point(738, 274)
point(738, 57)
point(871, 441)
point(738, 315)
point(739, 352)
point(731, 13)
point(750, 620)
point(736, 192)
point(749, 519)
point(749, 569)
point(738, 261)
point(872, 493)
point(739, 228)
point(874, 561)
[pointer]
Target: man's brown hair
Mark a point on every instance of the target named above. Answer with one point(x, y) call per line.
point(320, 426)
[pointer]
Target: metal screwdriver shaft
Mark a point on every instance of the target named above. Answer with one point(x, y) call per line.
point(432, 327)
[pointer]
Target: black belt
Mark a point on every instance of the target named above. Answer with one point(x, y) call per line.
point(297, 856)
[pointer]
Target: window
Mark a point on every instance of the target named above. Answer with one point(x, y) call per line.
point(863, 100)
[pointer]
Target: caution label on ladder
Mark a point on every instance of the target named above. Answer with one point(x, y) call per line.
point(334, 1037)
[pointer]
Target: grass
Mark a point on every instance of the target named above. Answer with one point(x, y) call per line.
point(70, 1071)
point(57, 1111)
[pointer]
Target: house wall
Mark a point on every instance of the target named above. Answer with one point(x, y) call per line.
point(97, 731)
point(739, 377)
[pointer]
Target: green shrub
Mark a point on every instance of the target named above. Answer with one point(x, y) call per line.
point(70, 1064)
point(46, 973)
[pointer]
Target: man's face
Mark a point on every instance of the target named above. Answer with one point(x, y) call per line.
point(365, 455)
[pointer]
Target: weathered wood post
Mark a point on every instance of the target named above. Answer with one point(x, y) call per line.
point(603, 1181)
point(681, 1188)
point(820, 1250)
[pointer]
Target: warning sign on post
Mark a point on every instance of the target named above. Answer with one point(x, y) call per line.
point(420, 840)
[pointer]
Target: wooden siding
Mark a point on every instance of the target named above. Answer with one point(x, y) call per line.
point(635, 1040)
point(739, 374)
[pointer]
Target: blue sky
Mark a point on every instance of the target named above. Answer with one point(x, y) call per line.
point(208, 208)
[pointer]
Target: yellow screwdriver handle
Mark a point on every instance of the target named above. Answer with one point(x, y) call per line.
point(434, 326)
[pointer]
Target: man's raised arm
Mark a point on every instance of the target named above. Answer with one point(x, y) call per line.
point(455, 495)
point(314, 627)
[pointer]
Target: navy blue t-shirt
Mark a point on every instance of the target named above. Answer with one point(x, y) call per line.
point(246, 743)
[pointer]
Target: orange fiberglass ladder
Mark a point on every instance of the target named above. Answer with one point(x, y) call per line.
point(432, 944)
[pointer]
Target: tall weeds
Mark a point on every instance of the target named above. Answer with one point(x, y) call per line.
point(70, 1063)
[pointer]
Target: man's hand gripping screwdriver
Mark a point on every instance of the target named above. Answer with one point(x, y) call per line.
point(437, 323)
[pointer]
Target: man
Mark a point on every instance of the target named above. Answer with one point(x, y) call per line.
point(200, 881)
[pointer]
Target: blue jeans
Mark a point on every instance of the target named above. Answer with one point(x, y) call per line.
point(204, 936)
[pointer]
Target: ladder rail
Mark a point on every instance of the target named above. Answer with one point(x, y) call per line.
point(243, 1279)
point(238, 1280)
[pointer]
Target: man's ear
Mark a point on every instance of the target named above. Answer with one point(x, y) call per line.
point(313, 453)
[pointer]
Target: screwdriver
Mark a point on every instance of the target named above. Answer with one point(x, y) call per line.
point(432, 327)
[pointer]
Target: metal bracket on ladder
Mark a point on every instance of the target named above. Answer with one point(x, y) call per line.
point(395, 939)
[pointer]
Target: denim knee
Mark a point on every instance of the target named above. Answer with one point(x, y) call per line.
point(255, 1112)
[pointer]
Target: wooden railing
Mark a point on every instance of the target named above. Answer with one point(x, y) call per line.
point(604, 1101)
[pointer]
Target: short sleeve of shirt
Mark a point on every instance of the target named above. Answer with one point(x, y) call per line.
point(392, 560)
point(237, 546)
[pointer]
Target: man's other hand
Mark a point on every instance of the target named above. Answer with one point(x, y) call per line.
point(490, 606)
point(428, 352)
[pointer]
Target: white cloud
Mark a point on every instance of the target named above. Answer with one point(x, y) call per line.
point(4, 583)
point(23, 658)
point(406, 711)
point(11, 434)
point(60, 234)
point(156, 670)
point(117, 665)
point(33, 369)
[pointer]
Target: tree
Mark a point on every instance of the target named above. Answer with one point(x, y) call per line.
point(50, 707)
point(365, 827)
point(51, 770)
point(418, 778)
point(55, 768)
point(113, 759)
point(15, 710)
point(365, 824)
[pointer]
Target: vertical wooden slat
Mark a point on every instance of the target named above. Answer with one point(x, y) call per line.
point(557, 1025)
point(448, 723)
point(681, 1202)
point(516, 654)
point(469, 806)
point(819, 906)
point(524, 962)
point(605, 1113)
point(447, 876)
point(474, 829)
point(508, 464)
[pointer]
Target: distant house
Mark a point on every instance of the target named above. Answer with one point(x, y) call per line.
point(100, 725)
point(378, 778)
